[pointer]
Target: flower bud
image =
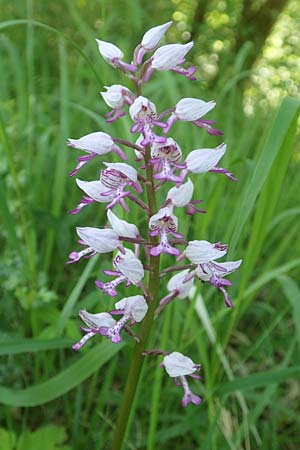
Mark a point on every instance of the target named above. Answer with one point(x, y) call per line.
point(200, 252)
point(110, 52)
point(203, 160)
point(152, 37)
point(169, 56)
point(181, 196)
point(190, 109)
point(98, 142)
point(116, 96)
point(100, 240)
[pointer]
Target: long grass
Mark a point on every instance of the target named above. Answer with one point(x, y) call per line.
point(51, 74)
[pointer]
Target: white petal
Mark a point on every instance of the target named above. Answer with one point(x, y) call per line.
point(114, 95)
point(109, 51)
point(178, 365)
point(203, 160)
point(97, 320)
point(142, 107)
point(138, 142)
point(159, 150)
point(161, 214)
point(169, 56)
point(190, 109)
point(135, 306)
point(122, 227)
point(176, 283)
point(100, 240)
point(98, 142)
point(130, 266)
point(95, 189)
point(125, 169)
point(152, 37)
point(230, 266)
point(200, 252)
point(181, 196)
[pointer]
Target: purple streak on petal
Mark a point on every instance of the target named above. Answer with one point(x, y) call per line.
point(210, 130)
point(180, 257)
point(225, 172)
point(159, 124)
point(103, 331)
point(226, 298)
point(126, 67)
point(196, 377)
point(120, 153)
point(172, 119)
point(176, 382)
point(148, 74)
point(117, 114)
point(139, 55)
point(135, 127)
point(111, 273)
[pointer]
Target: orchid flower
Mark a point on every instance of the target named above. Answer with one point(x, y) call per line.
point(178, 366)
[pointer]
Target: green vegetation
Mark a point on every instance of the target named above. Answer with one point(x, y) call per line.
point(51, 73)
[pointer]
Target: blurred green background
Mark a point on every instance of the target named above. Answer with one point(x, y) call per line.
point(247, 55)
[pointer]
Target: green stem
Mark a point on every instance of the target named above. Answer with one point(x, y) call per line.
point(137, 357)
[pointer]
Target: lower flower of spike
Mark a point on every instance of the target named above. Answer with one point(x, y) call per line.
point(129, 270)
point(95, 322)
point(97, 241)
point(133, 310)
point(178, 366)
point(162, 224)
point(215, 273)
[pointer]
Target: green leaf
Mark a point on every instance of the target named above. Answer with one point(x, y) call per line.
point(279, 137)
point(32, 345)
point(7, 440)
point(47, 438)
point(259, 380)
point(65, 381)
point(292, 292)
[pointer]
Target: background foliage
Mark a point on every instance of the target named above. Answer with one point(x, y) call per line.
point(247, 54)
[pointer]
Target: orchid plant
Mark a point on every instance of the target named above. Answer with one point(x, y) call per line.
point(159, 163)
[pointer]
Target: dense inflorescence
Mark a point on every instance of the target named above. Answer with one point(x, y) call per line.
point(159, 162)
